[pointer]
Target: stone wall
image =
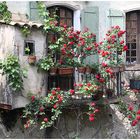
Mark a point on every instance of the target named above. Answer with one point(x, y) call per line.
point(73, 123)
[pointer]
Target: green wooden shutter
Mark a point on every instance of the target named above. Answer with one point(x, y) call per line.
point(34, 15)
point(116, 17)
point(90, 19)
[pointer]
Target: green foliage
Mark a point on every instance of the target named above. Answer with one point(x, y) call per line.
point(25, 30)
point(45, 63)
point(11, 68)
point(5, 14)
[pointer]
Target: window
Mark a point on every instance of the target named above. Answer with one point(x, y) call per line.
point(132, 39)
point(29, 47)
point(65, 16)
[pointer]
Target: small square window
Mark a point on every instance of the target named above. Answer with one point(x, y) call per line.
point(29, 47)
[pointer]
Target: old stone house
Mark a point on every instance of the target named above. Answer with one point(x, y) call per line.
point(98, 16)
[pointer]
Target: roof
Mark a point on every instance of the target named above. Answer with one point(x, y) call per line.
point(21, 20)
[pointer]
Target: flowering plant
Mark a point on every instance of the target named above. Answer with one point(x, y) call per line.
point(45, 110)
point(112, 48)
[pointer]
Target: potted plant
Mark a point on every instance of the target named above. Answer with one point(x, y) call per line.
point(45, 63)
point(31, 57)
point(91, 88)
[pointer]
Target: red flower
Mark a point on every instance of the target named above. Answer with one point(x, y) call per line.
point(120, 33)
point(130, 108)
point(92, 104)
point(134, 122)
point(65, 45)
point(53, 92)
point(51, 97)
point(98, 76)
point(122, 42)
point(91, 115)
point(58, 88)
point(101, 80)
point(88, 48)
point(108, 47)
point(91, 119)
point(55, 106)
point(138, 117)
point(41, 109)
point(32, 98)
point(104, 64)
point(71, 43)
point(70, 37)
point(96, 110)
point(129, 116)
point(138, 112)
point(60, 99)
point(80, 85)
point(125, 48)
point(71, 91)
point(89, 84)
point(46, 120)
point(58, 96)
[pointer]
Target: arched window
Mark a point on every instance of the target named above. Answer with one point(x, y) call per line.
point(65, 14)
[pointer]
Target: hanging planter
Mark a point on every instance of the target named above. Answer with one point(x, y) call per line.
point(5, 106)
point(31, 59)
point(53, 71)
point(65, 71)
point(81, 69)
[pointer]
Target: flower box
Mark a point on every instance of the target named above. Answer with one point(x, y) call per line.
point(134, 84)
point(65, 71)
point(5, 106)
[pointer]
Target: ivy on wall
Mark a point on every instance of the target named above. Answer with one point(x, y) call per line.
point(5, 14)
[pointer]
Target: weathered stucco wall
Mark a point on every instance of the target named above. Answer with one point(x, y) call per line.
point(12, 41)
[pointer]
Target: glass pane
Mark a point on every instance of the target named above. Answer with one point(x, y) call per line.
point(127, 59)
point(133, 59)
point(63, 21)
point(128, 53)
point(133, 53)
point(133, 46)
point(69, 14)
point(62, 13)
point(69, 22)
point(128, 45)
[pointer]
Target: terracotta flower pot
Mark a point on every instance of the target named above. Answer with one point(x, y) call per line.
point(122, 68)
point(31, 59)
point(65, 71)
point(53, 71)
point(5, 106)
point(81, 69)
